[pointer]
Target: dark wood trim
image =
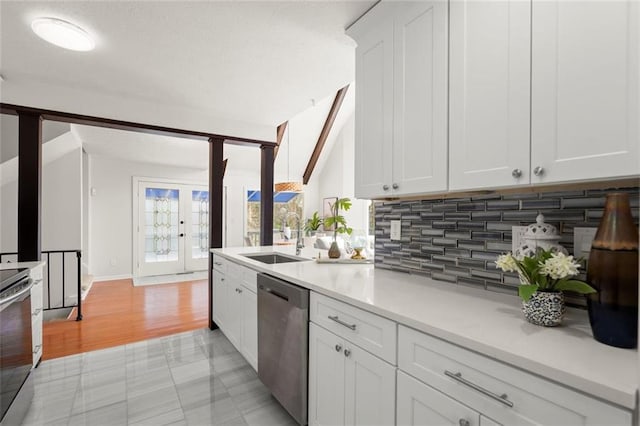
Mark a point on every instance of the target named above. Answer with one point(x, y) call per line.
point(224, 167)
point(279, 136)
point(67, 117)
point(216, 188)
point(324, 134)
point(29, 186)
point(266, 196)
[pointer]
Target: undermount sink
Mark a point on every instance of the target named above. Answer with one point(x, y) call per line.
point(272, 258)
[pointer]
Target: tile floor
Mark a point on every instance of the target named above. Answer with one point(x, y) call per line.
point(192, 378)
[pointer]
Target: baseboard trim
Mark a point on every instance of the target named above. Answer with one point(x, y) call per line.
point(112, 277)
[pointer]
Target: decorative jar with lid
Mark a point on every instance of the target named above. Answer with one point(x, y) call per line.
point(540, 235)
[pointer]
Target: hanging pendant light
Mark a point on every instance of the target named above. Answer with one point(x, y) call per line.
point(289, 185)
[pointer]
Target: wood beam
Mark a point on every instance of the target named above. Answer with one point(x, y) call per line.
point(279, 136)
point(324, 134)
point(67, 117)
point(29, 187)
point(216, 188)
point(266, 196)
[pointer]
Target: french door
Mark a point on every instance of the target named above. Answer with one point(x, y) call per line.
point(173, 228)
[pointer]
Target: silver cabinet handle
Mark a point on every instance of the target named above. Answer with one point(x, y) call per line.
point(394, 186)
point(338, 348)
point(240, 290)
point(538, 171)
point(339, 321)
point(500, 398)
point(347, 353)
point(217, 263)
point(385, 187)
point(464, 422)
point(516, 173)
point(36, 349)
point(36, 312)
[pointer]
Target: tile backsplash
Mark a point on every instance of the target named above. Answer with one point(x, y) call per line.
point(457, 239)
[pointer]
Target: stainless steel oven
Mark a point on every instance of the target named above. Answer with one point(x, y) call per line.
point(283, 343)
point(16, 356)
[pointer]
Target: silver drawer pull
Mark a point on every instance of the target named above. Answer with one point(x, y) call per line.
point(500, 398)
point(218, 263)
point(339, 321)
point(36, 312)
point(37, 349)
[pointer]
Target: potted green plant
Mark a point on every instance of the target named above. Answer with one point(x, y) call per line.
point(338, 223)
point(313, 224)
point(544, 276)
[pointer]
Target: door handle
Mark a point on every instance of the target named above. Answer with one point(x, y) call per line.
point(182, 235)
point(500, 398)
point(339, 321)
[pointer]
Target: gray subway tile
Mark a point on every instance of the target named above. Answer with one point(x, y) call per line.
point(458, 252)
point(494, 245)
point(443, 259)
point(457, 216)
point(444, 225)
point(471, 225)
point(474, 282)
point(503, 205)
point(433, 232)
point(473, 206)
point(486, 235)
point(457, 271)
point(445, 242)
point(486, 216)
point(545, 203)
point(458, 234)
point(584, 203)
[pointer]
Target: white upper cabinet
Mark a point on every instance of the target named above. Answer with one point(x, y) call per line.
point(420, 98)
point(401, 99)
point(489, 117)
point(374, 97)
point(584, 90)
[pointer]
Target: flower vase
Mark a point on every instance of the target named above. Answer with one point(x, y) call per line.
point(334, 251)
point(544, 308)
point(613, 271)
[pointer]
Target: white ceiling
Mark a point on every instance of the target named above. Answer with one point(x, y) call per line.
point(258, 63)
point(297, 146)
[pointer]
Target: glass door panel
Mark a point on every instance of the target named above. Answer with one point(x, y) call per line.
point(160, 234)
point(197, 243)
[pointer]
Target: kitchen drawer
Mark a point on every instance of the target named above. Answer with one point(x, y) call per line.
point(250, 279)
point(234, 271)
point(369, 331)
point(220, 263)
point(506, 394)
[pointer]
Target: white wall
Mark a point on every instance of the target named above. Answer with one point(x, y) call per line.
point(337, 179)
point(61, 202)
point(111, 213)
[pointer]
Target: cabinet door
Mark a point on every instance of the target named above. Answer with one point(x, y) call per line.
point(584, 90)
point(485, 421)
point(420, 98)
point(233, 320)
point(218, 301)
point(489, 133)
point(326, 377)
point(374, 110)
point(370, 385)
point(419, 404)
point(250, 327)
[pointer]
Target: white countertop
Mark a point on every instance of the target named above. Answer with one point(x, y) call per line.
point(487, 322)
point(15, 265)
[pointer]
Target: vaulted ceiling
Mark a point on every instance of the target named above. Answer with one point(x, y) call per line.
point(232, 67)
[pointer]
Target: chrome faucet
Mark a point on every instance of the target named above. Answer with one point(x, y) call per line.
point(300, 240)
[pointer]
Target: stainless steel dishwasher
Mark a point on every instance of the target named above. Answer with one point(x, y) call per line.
point(283, 343)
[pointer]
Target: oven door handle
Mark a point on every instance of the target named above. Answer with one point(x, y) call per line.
point(19, 294)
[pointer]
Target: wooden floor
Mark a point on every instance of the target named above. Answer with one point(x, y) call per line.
point(116, 312)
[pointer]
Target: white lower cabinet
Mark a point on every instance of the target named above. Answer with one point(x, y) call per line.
point(498, 391)
point(249, 335)
point(348, 385)
point(235, 307)
point(419, 404)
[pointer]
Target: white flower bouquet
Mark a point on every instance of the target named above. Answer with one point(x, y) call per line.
point(547, 271)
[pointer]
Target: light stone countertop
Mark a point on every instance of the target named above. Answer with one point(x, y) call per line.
point(489, 323)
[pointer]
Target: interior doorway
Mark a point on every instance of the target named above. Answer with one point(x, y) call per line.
point(171, 234)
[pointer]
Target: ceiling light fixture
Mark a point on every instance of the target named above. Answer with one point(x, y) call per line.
point(289, 186)
point(63, 34)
